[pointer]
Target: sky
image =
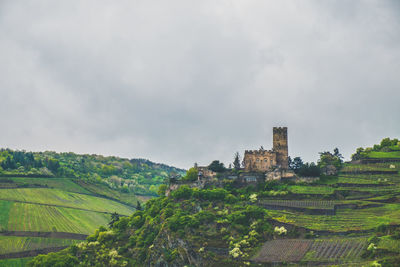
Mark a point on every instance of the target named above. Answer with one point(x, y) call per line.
point(184, 81)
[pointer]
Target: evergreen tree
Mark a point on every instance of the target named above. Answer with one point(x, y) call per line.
point(114, 218)
point(236, 161)
point(138, 206)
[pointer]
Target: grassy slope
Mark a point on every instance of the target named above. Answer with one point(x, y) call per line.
point(381, 155)
point(18, 215)
point(66, 184)
point(14, 262)
point(63, 198)
point(10, 244)
point(31, 217)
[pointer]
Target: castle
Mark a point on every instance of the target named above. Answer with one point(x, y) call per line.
point(259, 166)
point(265, 160)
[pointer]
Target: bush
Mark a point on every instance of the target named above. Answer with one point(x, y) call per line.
point(191, 175)
point(183, 192)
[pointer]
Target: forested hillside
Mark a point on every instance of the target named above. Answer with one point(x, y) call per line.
point(138, 176)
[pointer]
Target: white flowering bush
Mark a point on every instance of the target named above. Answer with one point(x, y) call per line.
point(280, 230)
point(253, 198)
point(371, 247)
point(235, 252)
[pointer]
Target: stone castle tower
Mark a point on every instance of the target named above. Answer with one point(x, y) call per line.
point(280, 146)
point(265, 160)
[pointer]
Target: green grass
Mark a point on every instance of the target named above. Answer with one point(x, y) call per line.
point(102, 189)
point(306, 189)
point(344, 220)
point(4, 212)
point(15, 262)
point(10, 244)
point(31, 217)
point(66, 184)
point(390, 244)
point(356, 180)
point(65, 199)
point(381, 155)
point(334, 249)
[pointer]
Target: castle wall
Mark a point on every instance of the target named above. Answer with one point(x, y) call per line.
point(259, 160)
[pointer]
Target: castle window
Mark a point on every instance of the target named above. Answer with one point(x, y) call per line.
point(258, 160)
point(265, 160)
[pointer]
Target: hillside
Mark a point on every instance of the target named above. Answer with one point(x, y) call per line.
point(49, 200)
point(351, 219)
point(138, 176)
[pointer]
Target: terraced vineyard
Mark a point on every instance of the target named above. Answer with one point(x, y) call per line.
point(42, 218)
point(36, 206)
point(363, 200)
point(57, 197)
point(316, 204)
point(286, 250)
point(9, 244)
point(305, 250)
point(67, 184)
point(336, 249)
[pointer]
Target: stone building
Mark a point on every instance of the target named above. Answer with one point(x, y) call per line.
point(265, 160)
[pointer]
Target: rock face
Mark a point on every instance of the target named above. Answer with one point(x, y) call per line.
point(329, 170)
point(182, 253)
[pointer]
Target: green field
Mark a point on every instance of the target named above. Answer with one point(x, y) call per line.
point(389, 244)
point(63, 198)
point(344, 220)
point(380, 155)
point(101, 189)
point(15, 262)
point(333, 249)
point(66, 184)
point(32, 217)
point(303, 189)
point(10, 244)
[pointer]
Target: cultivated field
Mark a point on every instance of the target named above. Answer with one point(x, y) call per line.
point(335, 249)
point(285, 250)
point(9, 244)
point(64, 199)
point(42, 218)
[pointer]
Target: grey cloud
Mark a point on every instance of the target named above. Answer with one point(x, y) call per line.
point(191, 81)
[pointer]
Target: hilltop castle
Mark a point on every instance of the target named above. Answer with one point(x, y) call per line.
point(259, 166)
point(265, 160)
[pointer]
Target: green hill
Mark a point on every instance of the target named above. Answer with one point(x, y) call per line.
point(351, 219)
point(49, 200)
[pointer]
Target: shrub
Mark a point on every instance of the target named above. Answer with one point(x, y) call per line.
point(183, 192)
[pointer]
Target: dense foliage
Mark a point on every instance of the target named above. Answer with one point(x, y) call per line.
point(386, 145)
point(191, 220)
point(135, 175)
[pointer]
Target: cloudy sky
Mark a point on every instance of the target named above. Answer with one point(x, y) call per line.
point(186, 81)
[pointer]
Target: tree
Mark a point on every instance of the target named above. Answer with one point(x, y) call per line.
point(216, 166)
point(191, 175)
point(114, 218)
point(296, 164)
point(162, 189)
point(336, 153)
point(309, 169)
point(138, 205)
point(236, 161)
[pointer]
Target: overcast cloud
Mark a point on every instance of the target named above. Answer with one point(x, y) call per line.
point(185, 81)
